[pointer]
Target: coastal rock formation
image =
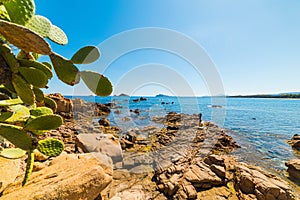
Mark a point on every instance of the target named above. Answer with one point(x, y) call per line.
point(220, 177)
point(9, 170)
point(104, 143)
point(64, 105)
point(295, 142)
point(294, 169)
point(81, 176)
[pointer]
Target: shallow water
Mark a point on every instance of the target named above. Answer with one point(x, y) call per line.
point(260, 126)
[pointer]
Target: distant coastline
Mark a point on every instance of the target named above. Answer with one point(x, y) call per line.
point(281, 96)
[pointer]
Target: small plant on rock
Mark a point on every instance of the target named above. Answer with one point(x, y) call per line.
point(26, 112)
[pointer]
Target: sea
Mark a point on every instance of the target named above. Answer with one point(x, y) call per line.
point(261, 126)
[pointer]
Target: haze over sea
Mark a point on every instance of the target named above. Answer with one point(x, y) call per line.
point(260, 126)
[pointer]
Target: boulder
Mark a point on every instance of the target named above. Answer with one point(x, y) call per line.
point(104, 122)
point(9, 170)
point(294, 169)
point(295, 142)
point(81, 176)
point(63, 104)
point(104, 143)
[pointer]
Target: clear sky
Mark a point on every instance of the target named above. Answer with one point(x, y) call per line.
point(254, 44)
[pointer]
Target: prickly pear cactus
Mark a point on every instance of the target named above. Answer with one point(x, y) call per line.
point(24, 38)
point(26, 112)
point(29, 166)
point(57, 35)
point(23, 90)
point(20, 11)
point(37, 65)
point(50, 103)
point(10, 102)
point(50, 147)
point(98, 84)
point(12, 153)
point(65, 70)
point(44, 122)
point(86, 55)
point(34, 76)
point(40, 111)
point(16, 136)
point(40, 24)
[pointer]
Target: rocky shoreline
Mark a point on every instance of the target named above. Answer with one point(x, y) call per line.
point(186, 159)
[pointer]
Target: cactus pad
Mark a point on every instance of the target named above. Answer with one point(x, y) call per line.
point(3, 13)
point(65, 70)
point(48, 65)
point(44, 122)
point(50, 103)
point(40, 25)
point(10, 102)
point(50, 147)
point(16, 136)
point(9, 57)
point(20, 11)
point(29, 166)
point(5, 115)
point(57, 35)
point(23, 38)
point(40, 111)
point(20, 114)
point(12, 153)
point(38, 93)
point(97, 83)
point(34, 76)
point(86, 55)
point(37, 65)
point(23, 89)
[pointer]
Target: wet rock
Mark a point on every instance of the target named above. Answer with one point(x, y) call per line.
point(295, 142)
point(126, 119)
point(104, 122)
point(137, 111)
point(225, 143)
point(294, 169)
point(104, 143)
point(117, 112)
point(101, 109)
point(143, 99)
point(71, 177)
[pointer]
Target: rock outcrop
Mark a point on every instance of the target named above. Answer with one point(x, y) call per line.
point(295, 142)
point(221, 177)
point(104, 143)
point(64, 105)
point(294, 170)
point(81, 176)
point(9, 169)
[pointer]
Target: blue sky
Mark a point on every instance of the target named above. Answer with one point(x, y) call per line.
point(255, 45)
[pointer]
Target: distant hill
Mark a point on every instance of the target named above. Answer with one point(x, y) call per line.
point(162, 95)
point(123, 95)
point(292, 95)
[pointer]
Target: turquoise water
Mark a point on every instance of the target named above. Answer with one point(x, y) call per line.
point(260, 126)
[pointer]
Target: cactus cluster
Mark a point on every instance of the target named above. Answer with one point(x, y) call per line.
point(25, 112)
point(21, 126)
